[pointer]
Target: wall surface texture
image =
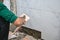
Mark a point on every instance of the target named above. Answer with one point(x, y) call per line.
point(44, 16)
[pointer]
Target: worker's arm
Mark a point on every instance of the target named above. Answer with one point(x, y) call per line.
point(10, 16)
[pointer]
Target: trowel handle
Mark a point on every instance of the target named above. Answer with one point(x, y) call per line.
point(16, 30)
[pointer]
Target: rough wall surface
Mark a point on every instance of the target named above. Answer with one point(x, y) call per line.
point(44, 14)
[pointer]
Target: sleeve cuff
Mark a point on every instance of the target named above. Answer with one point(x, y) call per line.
point(13, 19)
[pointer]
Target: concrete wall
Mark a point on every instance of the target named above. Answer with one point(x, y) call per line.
point(44, 14)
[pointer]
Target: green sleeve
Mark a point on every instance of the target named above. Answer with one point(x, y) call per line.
point(7, 14)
